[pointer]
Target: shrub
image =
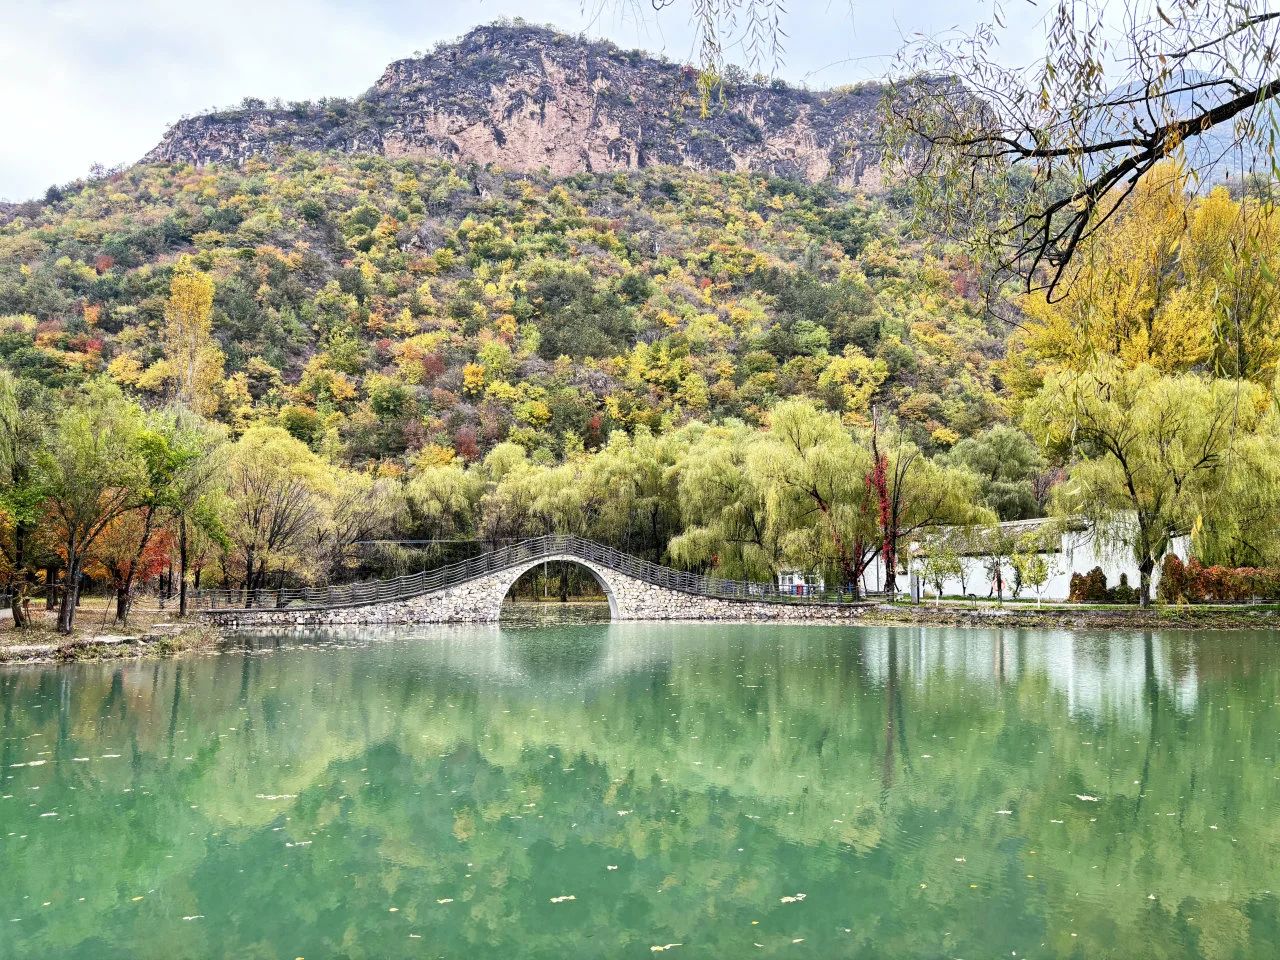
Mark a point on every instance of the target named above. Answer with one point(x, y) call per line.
point(1122, 592)
point(1195, 583)
point(1089, 587)
point(1172, 587)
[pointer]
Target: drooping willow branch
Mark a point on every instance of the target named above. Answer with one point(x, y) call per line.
point(1025, 164)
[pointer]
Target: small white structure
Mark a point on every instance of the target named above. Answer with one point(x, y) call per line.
point(800, 584)
point(1067, 548)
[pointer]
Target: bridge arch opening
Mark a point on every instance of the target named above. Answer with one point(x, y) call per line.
point(559, 589)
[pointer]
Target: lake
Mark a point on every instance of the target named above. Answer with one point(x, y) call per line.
point(632, 790)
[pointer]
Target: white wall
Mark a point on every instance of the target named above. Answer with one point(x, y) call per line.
point(1079, 551)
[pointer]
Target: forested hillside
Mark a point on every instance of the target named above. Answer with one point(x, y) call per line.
point(378, 308)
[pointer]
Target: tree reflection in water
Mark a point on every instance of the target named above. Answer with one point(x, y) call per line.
point(291, 793)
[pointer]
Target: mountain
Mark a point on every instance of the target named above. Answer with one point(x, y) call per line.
point(522, 237)
point(527, 98)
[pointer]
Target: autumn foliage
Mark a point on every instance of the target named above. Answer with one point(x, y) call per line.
point(1195, 583)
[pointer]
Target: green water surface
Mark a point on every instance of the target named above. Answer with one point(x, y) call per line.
point(634, 790)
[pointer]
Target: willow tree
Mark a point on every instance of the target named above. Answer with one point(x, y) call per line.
point(1240, 514)
point(442, 501)
point(820, 507)
point(1149, 450)
point(634, 479)
point(913, 493)
point(279, 493)
point(724, 507)
point(363, 508)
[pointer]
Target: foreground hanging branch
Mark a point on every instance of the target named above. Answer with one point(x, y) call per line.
point(1024, 164)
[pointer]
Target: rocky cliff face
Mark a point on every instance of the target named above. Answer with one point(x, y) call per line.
point(526, 98)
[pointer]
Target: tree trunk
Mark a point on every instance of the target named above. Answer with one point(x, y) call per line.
point(248, 576)
point(70, 594)
point(182, 568)
point(17, 609)
point(564, 582)
point(1144, 581)
point(122, 604)
point(19, 593)
point(50, 586)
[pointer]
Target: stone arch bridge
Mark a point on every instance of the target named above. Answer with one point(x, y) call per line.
point(472, 591)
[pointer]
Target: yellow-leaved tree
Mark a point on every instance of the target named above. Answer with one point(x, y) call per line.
point(1174, 282)
point(1130, 300)
point(193, 358)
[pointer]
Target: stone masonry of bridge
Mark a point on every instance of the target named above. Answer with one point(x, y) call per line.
point(480, 601)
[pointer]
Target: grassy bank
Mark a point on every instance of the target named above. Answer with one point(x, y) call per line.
point(1078, 616)
point(97, 635)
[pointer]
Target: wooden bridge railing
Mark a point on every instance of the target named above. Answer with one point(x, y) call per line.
point(504, 558)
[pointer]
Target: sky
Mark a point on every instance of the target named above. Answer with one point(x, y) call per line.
point(86, 82)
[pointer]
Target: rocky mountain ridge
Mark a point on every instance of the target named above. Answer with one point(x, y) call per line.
point(529, 98)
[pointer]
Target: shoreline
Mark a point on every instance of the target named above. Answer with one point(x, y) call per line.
point(189, 637)
point(199, 636)
point(1017, 615)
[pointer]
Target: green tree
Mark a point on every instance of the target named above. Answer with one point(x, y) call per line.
point(363, 508)
point(24, 406)
point(1032, 570)
point(913, 493)
point(92, 472)
point(819, 505)
point(1008, 463)
point(195, 492)
point(724, 506)
point(938, 565)
point(278, 492)
point(1150, 450)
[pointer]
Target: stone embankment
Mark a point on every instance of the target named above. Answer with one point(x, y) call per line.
point(480, 601)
